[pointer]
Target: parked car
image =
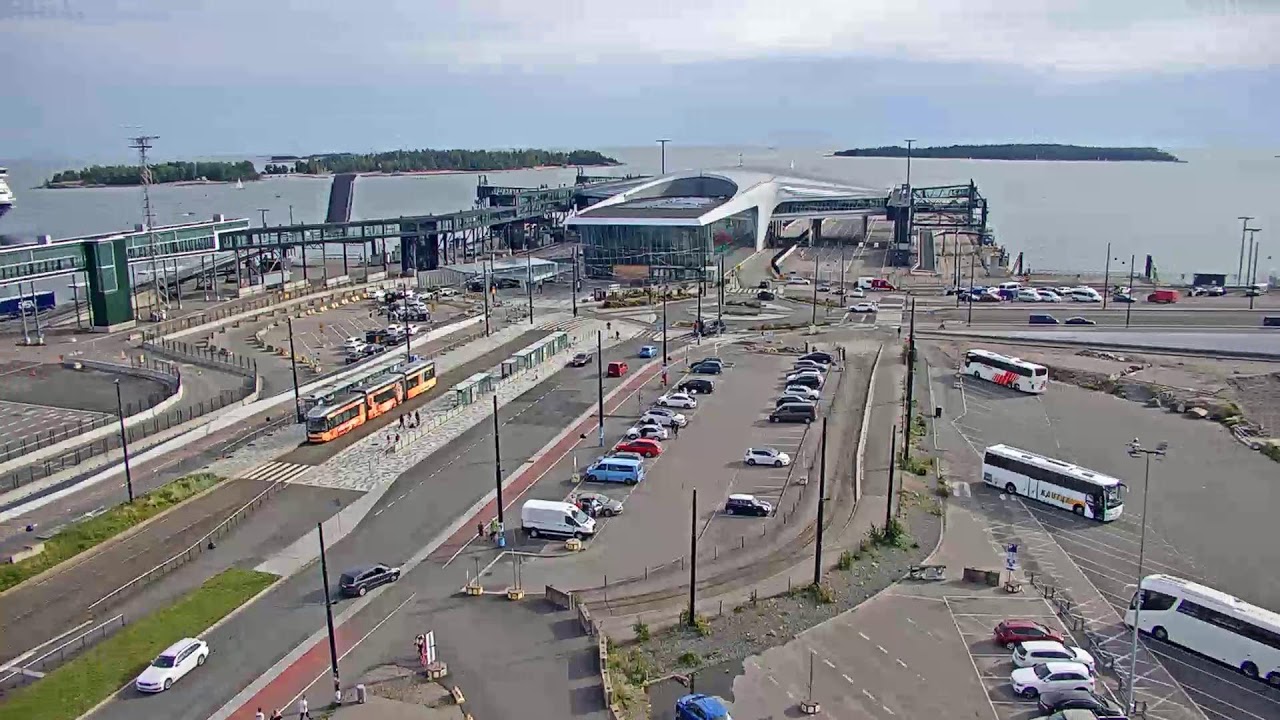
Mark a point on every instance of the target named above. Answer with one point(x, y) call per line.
point(648, 351)
point(1077, 320)
point(357, 582)
point(798, 281)
point(808, 365)
point(1027, 295)
point(766, 456)
point(625, 455)
point(1034, 652)
point(1049, 296)
point(172, 664)
point(647, 430)
point(825, 358)
point(802, 392)
point(678, 400)
point(581, 359)
point(1031, 681)
point(794, 412)
point(598, 504)
point(647, 447)
point(617, 369)
point(663, 416)
point(1122, 298)
point(615, 469)
point(1042, 320)
point(1009, 633)
point(989, 297)
point(1059, 700)
point(707, 368)
point(766, 295)
point(740, 504)
point(555, 519)
point(784, 399)
point(697, 386)
point(856, 293)
point(811, 380)
point(864, 307)
point(701, 707)
point(352, 343)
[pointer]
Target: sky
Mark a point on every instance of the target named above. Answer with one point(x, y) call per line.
point(235, 77)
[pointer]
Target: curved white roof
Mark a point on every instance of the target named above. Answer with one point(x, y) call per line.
point(696, 198)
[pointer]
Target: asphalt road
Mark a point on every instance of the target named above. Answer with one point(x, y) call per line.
point(1111, 318)
point(1208, 475)
point(419, 506)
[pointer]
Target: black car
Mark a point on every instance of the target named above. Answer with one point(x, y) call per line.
point(697, 386)
point(357, 582)
point(707, 368)
point(580, 360)
point(1056, 700)
point(1079, 321)
point(791, 399)
point(818, 356)
point(766, 295)
point(764, 285)
point(747, 505)
point(798, 411)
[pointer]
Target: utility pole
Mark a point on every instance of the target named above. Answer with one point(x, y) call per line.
point(328, 612)
point(842, 298)
point(911, 195)
point(822, 502)
point(664, 330)
point(1106, 278)
point(663, 166)
point(497, 456)
point(911, 384)
point(575, 281)
point(124, 442)
point(1128, 307)
point(720, 289)
point(529, 281)
point(702, 288)
point(142, 144)
point(1136, 450)
point(484, 273)
point(600, 380)
point(1244, 228)
point(813, 318)
point(693, 560)
point(1253, 273)
point(969, 321)
point(893, 460)
point(293, 365)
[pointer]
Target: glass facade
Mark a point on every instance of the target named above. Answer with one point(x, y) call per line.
point(662, 252)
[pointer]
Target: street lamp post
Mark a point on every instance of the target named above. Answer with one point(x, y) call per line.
point(1128, 307)
point(663, 144)
point(1244, 228)
point(910, 195)
point(293, 365)
point(664, 332)
point(1137, 450)
point(124, 443)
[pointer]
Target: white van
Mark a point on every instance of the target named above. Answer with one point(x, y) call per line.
point(555, 519)
point(1010, 286)
point(1085, 295)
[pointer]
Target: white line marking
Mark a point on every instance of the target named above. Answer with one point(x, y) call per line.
point(904, 665)
point(864, 636)
point(829, 663)
point(846, 677)
point(870, 697)
point(881, 649)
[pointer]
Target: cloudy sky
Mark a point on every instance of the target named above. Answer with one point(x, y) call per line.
point(277, 76)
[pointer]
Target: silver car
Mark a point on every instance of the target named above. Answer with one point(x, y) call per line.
point(598, 504)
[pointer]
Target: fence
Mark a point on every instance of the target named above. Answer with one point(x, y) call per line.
point(197, 354)
point(58, 655)
point(171, 419)
point(205, 543)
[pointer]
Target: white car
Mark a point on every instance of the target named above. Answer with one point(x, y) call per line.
point(766, 456)
point(791, 378)
point(353, 344)
point(448, 292)
point(857, 293)
point(1027, 296)
point(647, 430)
point(1034, 652)
point(663, 416)
point(807, 365)
point(801, 391)
point(1031, 681)
point(1049, 296)
point(395, 328)
point(684, 401)
point(864, 307)
point(798, 281)
point(172, 664)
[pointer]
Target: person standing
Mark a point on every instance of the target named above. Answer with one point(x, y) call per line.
point(259, 716)
point(304, 710)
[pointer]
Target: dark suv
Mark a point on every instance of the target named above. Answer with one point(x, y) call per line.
point(794, 412)
point(747, 505)
point(697, 386)
point(357, 582)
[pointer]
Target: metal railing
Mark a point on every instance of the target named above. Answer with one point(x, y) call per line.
point(21, 673)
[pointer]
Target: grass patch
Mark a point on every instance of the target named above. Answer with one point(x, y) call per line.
point(72, 689)
point(846, 561)
point(82, 536)
point(892, 535)
point(641, 629)
point(914, 464)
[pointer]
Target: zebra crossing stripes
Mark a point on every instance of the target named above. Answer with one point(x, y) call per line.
point(563, 325)
point(277, 472)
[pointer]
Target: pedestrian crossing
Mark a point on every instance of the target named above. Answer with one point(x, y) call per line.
point(563, 325)
point(274, 472)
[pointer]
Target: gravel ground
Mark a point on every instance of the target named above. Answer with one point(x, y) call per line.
point(750, 629)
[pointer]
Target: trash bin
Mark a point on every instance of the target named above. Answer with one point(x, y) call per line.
point(937, 412)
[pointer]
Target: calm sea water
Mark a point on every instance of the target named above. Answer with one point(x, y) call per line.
point(1062, 215)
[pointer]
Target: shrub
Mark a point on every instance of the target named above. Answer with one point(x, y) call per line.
point(641, 629)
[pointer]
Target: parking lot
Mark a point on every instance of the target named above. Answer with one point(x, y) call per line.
point(1099, 563)
point(707, 454)
point(321, 336)
point(26, 427)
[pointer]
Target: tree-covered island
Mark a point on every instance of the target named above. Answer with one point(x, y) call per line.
point(1018, 151)
point(396, 161)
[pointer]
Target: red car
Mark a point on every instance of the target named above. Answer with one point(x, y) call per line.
point(647, 447)
point(617, 369)
point(1013, 631)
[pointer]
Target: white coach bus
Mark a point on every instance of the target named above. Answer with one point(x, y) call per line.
point(1008, 371)
point(1211, 623)
point(1053, 482)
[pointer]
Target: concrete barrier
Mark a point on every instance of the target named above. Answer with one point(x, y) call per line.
point(338, 281)
point(559, 598)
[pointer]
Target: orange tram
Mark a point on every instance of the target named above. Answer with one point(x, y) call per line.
point(375, 396)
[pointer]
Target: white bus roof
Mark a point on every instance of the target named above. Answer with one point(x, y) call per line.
point(1059, 466)
point(1217, 599)
point(988, 355)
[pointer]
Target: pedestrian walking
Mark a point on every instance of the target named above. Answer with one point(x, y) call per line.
point(304, 710)
point(401, 421)
point(417, 419)
point(259, 716)
point(277, 714)
point(675, 429)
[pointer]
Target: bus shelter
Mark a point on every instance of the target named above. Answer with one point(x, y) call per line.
point(535, 354)
point(469, 390)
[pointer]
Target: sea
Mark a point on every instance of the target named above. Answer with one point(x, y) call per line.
point(1062, 215)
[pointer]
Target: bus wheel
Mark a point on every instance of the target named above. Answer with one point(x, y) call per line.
point(1160, 633)
point(1250, 670)
point(1273, 679)
point(1011, 489)
point(1078, 509)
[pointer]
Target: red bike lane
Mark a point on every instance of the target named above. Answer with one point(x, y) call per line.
point(293, 680)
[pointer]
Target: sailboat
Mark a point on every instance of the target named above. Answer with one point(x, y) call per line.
point(239, 184)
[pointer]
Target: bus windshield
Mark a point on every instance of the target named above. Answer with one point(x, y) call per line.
point(1115, 495)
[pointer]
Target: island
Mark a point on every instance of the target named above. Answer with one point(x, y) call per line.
point(168, 172)
point(395, 162)
point(1019, 151)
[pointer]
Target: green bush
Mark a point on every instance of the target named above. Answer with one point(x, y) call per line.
point(846, 561)
point(688, 658)
point(892, 535)
point(82, 536)
point(641, 629)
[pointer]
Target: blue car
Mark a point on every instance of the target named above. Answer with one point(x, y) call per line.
point(648, 351)
point(701, 707)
